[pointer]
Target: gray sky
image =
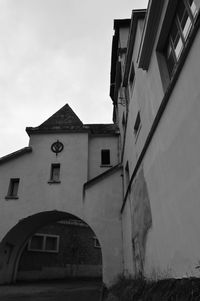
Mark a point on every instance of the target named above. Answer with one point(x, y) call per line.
point(54, 52)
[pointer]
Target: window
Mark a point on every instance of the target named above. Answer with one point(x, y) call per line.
point(13, 189)
point(55, 173)
point(105, 157)
point(181, 27)
point(96, 242)
point(132, 77)
point(44, 243)
point(137, 125)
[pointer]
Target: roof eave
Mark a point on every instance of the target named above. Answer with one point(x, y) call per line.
point(149, 33)
point(16, 154)
point(136, 15)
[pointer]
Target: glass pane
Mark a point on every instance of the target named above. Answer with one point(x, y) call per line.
point(192, 7)
point(184, 19)
point(176, 40)
point(51, 243)
point(36, 242)
point(170, 59)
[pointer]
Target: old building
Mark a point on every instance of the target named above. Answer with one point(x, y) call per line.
point(135, 182)
point(156, 96)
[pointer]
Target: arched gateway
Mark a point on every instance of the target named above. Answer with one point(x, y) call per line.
point(68, 167)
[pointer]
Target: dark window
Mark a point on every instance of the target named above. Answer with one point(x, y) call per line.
point(55, 173)
point(51, 243)
point(36, 242)
point(105, 157)
point(132, 77)
point(181, 26)
point(96, 242)
point(137, 124)
point(13, 188)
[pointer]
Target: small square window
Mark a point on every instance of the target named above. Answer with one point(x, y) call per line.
point(51, 243)
point(55, 173)
point(105, 157)
point(36, 242)
point(13, 189)
point(96, 242)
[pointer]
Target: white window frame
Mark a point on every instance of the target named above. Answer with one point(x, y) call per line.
point(43, 249)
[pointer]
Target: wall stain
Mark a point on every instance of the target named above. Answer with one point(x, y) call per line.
point(141, 219)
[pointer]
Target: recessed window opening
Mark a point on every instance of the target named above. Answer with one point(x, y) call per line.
point(179, 33)
point(55, 173)
point(132, 77)
point(137, 124)
point(13, 188)
point(105, 157)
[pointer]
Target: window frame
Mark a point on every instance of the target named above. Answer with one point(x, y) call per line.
point(43, 249)
point(53, 180)
point(11, 188)
point(176, 22)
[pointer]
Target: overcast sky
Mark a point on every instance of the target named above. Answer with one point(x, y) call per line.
point(54, 52)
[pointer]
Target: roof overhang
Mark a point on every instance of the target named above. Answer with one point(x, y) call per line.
point(136, 15)
point(119, 23)
point(149, 33)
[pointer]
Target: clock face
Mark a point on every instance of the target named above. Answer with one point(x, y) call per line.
point(57, 147)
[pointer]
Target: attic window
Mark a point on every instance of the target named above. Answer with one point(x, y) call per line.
point(105, 157)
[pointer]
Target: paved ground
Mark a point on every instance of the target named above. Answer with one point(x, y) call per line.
point(52, 291)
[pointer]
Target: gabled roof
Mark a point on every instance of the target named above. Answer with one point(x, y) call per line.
point(63, 119)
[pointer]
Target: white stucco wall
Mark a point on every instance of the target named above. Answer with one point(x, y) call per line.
point(96, 144)
point(172, 166)
point(33, 169)
point(102, 203)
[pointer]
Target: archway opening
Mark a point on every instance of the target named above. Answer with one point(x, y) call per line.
point(52, 245)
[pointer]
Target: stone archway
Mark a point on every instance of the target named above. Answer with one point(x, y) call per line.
point(15, 240)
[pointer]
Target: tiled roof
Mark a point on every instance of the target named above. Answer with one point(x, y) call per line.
point(65, 120)
point(97, 129)
point(63, 117)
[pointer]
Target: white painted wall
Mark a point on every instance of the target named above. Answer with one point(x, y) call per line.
point(96, 144)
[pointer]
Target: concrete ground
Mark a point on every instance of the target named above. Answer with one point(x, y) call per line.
point(89, 290)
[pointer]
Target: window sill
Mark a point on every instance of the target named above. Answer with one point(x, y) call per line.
point(53, 182)
point(43, 251)
point(10, 197)
point(105, 165)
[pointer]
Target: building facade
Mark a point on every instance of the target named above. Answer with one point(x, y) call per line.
point(156, 96)
point(136, 181)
